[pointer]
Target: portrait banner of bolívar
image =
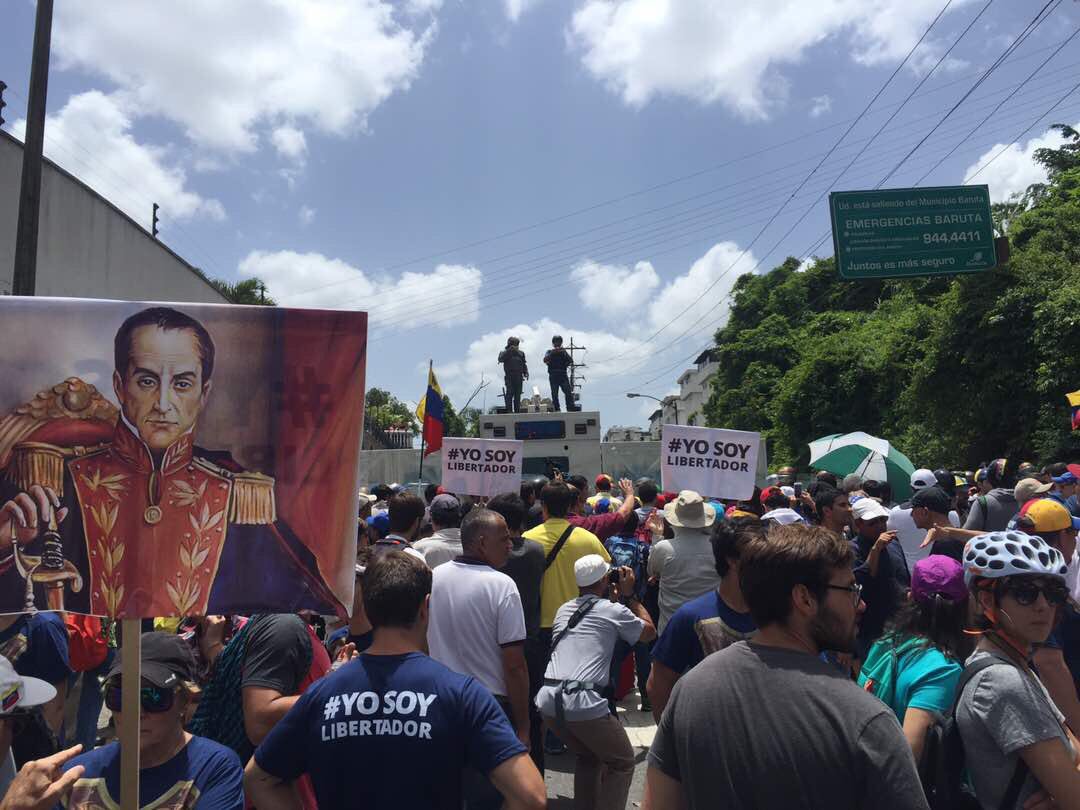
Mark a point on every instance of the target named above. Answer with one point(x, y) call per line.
point(178, 459)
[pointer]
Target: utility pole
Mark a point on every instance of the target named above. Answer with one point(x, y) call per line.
point(153, 222)
point(575, 381)
point(24, 281)
point(262, 293)
point(3, 103)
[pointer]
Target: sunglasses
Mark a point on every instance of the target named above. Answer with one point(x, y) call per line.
point(1028, 593)
point(153, 699)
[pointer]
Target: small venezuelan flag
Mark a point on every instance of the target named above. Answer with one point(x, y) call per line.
point(1074, 403)
point(429, 412)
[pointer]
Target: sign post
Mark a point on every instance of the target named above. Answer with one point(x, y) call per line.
point(131, 706)
point(904, 232)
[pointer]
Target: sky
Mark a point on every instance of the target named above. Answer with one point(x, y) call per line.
point(465, 171)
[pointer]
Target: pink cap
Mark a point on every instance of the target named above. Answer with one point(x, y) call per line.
point(938, 574)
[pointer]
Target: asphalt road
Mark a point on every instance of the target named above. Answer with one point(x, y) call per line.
point(559, 770)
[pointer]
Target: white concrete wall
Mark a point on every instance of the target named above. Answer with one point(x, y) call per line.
point(87, 248)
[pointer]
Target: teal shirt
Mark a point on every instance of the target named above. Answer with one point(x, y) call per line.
point(919, 676)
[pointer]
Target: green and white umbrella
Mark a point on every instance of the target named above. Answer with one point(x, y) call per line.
point(868, 456)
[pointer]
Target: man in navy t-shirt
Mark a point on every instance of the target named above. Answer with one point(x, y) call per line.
point(177, 770)
point(709, 623)
point(393, 728)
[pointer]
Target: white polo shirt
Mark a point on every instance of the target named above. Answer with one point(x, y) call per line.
point(475, 612)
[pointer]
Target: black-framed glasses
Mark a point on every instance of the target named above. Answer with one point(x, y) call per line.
point(153, 699)
point(1027, 593)
point(855, 589)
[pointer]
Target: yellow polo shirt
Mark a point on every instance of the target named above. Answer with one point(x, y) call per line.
point(558, 585)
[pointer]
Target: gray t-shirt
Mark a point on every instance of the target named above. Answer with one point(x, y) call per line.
point(762, 727)
point(441, 547)
point(584, 654)
point(1000, 508)
point(1002, 710)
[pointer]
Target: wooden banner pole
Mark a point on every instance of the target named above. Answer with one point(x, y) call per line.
point(131, 706)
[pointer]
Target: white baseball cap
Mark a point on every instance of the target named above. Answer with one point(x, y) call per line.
point(923, 478)
point(868, 509)
point(590, 569)
point(19, 692)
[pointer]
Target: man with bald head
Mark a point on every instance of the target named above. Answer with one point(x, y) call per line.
point(477, 626)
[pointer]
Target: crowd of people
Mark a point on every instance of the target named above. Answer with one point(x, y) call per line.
point(818, 645)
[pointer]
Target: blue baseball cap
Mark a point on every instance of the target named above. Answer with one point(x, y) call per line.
point(1065, 478)
point(380, 523)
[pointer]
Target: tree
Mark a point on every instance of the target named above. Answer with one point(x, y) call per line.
point(466, 424)
point(249, 291)
point(384, 411)
point(954, 370)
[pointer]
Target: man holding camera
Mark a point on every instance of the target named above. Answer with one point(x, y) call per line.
point(572, 699)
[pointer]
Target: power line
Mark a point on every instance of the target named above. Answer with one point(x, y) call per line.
point(1007, 146)
point(806, 179)
point(828, 233)
point(385, 332)
point(555, 260)
point(990, 114)
point(1031, 26)
point(621, 198)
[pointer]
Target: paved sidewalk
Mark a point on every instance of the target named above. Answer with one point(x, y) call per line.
point(559, 771)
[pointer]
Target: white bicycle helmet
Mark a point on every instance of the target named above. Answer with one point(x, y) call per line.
point(1009, 553)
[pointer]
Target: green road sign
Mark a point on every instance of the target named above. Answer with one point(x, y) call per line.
point(900, 232)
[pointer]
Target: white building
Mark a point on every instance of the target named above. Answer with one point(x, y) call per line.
point(695, 389)
point(627, 434)
point(87, 247)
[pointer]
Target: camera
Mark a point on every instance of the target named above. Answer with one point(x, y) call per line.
point(613, 576)
point(798, 489)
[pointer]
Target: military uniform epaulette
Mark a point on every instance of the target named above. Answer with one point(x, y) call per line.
point(43, 464)
point(252, 501)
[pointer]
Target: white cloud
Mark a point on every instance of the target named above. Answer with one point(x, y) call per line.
point(819, 105)
point(460, 377)
point(686, 298)
point(1016, 169)
point(417, 7)
point(326, 63)
point(316, 281)
point(290, 143)
point(731, 51)
point(91, 138)
point(306, 214)
point(515, 8)
point(614, 290)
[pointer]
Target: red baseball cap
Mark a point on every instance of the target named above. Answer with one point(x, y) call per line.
point(768, 492)
point(601, 478)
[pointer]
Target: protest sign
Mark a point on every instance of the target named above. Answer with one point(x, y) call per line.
point(204, 457)
point(481, 466)
point(713, 462)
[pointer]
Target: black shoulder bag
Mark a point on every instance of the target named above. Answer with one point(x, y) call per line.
point(558, 546)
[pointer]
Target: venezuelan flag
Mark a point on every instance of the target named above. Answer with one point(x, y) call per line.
point(429, 412)
point(1074, 403)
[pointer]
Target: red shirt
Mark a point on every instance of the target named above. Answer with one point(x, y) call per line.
point(603, 526)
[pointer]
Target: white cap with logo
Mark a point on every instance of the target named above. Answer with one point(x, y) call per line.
point(19, 692)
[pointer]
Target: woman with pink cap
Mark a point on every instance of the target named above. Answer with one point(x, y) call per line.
point(915, 666)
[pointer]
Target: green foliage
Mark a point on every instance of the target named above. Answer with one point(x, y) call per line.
point(387, 411)
point(249, 291)
point(952, 370)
